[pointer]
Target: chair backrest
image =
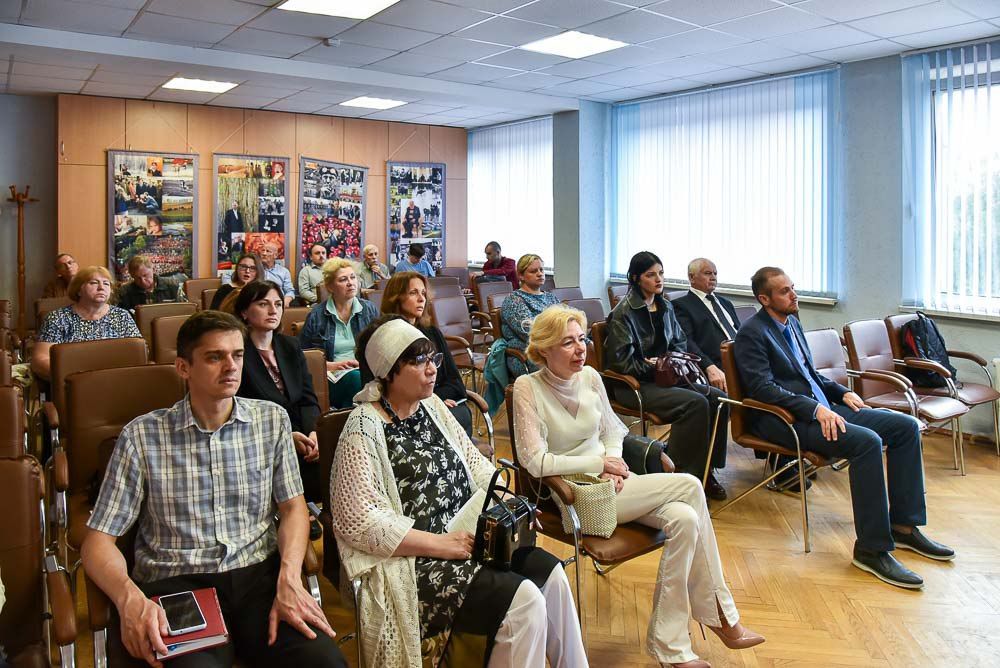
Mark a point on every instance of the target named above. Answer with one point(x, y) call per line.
point(21, 554)
point(522, 480)
point(316, 361)
point(164, 342)
point(592, 308)
point(443, 280)
point(828, 354)
point(375, 297)
point(328, 428)
point(745, 311)
point(68, 358)
point(46, 304)
point(193, 287)
point(296, 328)
point(484, 290)
point(671, 295)
point(496, 322)
point(12, 423)
point(893, 323)
point(549, 284)
point(868, 348)
point(616, 292)
point(293, 314)
point(206, 298)
point(5, 369)
point(451, 316)
point(461, 273)
point(565, 294)
point(100, 403)
point(496, 301)
point(734, 388)
point(451, 289)
point(146, 313)
point(322, 294)
point(598, 333)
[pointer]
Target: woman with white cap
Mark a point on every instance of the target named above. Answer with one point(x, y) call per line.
point(403, 470)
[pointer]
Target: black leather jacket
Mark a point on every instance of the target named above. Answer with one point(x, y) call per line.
point(631, 336)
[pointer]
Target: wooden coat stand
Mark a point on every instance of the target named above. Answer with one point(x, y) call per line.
point(20, 199)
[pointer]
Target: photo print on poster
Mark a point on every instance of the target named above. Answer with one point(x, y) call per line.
point(332, 211)
point(152, 199)
point(251, 208)
point(415, 203)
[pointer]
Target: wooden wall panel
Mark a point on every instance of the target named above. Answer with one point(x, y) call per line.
point(292, 207)
point(206, 200)
point(83, 213)
point(214, 130)
point(319, 137)
point(450, 146)
point(456, 208)
point(366, 143)
point(156, 126)
point(409, 142)
point(270, 133)
point(88, 127)
point(375, 213)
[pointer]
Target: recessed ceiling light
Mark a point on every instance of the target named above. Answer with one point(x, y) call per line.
point(573, 44)
point(350, 9)
point(200, 85)
point(372, 103)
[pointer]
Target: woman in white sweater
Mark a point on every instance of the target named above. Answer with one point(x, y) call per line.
point(564, 424)
point(403, 470)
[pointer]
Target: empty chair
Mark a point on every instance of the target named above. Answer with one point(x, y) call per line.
point(565, 294)
point(617, 292)
point(461, 273)
point(450, 289)
point(593, 308)
point(164, 342)
point(146, 313)
point(435, 281)
point(193, 287)
point(484, 289)
point(451, 316)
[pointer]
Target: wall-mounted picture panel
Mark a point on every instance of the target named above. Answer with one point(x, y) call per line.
point(415, 200)
point(331, 208)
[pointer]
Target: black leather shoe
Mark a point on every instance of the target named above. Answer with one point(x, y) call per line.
point(923, 545)
point(885, 567)
point(789, 476)
point(714, 489)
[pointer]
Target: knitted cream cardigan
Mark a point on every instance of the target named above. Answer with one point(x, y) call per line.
point(369, 524)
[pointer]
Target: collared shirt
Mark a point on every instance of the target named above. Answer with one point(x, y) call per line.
point(367, 277)
point(205, 501)
point(282, 277)
point(423, 267)
point(703, 296)
point(309, 277)
point(789, 335)
point(343, 337)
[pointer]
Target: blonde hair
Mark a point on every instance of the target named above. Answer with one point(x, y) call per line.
point(549, 328)
point(525, 261)
point(332, 266)
point(84, 275)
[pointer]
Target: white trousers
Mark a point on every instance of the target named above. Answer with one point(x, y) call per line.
point(689, 580)
point(539, 624)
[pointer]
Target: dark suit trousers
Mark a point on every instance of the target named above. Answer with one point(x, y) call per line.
point(867, 431)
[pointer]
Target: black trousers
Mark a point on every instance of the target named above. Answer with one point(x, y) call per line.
point(691, 415)
point(246, 596)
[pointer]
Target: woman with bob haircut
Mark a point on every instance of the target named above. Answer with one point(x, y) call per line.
point(247, 268)
point(564, 424)
point(521, 307)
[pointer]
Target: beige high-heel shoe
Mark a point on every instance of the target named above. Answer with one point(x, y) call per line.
point(737, 637)
point(696, 663)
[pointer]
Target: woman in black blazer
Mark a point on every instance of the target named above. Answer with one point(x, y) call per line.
point(275, 369)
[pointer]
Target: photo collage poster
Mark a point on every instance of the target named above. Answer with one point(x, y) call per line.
point(250, 208)
point(152, 200)
point(416, 210)
point(333, 208)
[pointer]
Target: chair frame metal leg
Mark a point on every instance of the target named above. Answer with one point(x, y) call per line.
point(577, 558)
point(356, 589)
point(711, 444)
point(100, 640)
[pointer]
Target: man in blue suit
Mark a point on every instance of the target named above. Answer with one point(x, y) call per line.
point(776, 367)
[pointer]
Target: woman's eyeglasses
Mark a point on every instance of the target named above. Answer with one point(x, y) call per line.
point(243, 267)
point(433, 358)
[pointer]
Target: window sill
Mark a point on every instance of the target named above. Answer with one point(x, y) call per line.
point(954, 315)
point(745, 293)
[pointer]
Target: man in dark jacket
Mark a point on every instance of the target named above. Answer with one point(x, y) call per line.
point(145, 286)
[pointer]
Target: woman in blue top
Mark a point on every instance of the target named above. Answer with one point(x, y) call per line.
point(415, 261)
point(333, 325)
point(521, 307)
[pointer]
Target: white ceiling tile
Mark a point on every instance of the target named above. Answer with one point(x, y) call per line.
point(747, 54)
point(632, 77)
point(850, 10)
point(250, 40)
point(462, 49)
point(299, 23)
point(694, 42)
point(619, 95)
point(420, 108)
point(671, 86)
point(915, 19)
point(962, 33)
point(579, 87)
point(568, 14)
point(345, 112)
point(791, 64)
point(875, 49)
point(429, 15)
point(256, 90)
point(296, 106)
point(503, 30)
point(393, 115)
point(725, 76)
point(475, 112)
point(683, 67)
point(77, 17)
point(123, 4)
point(243, 101)
point(707, 12)
point(530, 81)
point(635, 26)
point(44, 83)
point(116, 89)
point(137, 66)
point(182, 96)
point(495, 6)
point(983, 9)
point(325, 98)
point(628, 56)
point(523, 60)
point(413, 64)
point(177, 30)
point(770, 24)
point(385, 37)
point(53, 71)
point(579, 69)
point(128, 78)
point(406, 95)
point(818, 39)
point(473, 72)
point(229, 12)
point(352, 55)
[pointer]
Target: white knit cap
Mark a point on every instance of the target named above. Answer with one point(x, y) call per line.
point(384, 347)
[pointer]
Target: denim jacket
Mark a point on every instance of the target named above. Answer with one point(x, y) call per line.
point(321, 326)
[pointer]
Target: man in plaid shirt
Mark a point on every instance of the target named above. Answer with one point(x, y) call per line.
point(203, 479)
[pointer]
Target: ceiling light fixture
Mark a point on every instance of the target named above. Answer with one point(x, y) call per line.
point(200, 85)
point(348, 9)
point(372, 103)
point(573, 44)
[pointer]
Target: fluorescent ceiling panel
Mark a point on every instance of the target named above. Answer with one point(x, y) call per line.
point(350, 9)
point(200, 85)
point(372, 103)
point(573, 44)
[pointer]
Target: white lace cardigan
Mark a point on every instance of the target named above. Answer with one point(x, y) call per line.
point(369, 523)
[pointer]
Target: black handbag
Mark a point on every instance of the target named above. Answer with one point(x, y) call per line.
point(642, 454)
point(505, 527)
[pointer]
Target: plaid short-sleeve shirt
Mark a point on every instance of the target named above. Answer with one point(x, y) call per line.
point(205, 501)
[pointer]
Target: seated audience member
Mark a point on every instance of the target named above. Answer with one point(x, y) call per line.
point(145, 286)
point(275, 272)
point(311, 274)
point(499, 267)
point(415, 261)
point(334, 325)
point(89, 318)
point(275, 369)
point(403, 469)
point(521, 307)
point(776, 367)
point(371, 271)
point(248, 268)
point(564, 424)
point(202, 480)
point(407, 294)
point(66, 268)
point(642, 328)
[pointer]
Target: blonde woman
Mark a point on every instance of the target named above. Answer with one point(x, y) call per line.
point(521, 307)
point(564, 424)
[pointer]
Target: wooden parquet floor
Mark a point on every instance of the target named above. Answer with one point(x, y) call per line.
point(815, 609)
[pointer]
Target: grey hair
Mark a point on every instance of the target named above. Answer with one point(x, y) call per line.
point(695, 265)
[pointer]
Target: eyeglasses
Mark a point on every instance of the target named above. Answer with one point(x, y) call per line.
point(246, 267)
point(433, 358)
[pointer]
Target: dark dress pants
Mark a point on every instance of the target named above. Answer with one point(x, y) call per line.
point(867, 431)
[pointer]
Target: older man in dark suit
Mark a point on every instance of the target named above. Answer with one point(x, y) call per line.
point(708, 319)
point(776, 367)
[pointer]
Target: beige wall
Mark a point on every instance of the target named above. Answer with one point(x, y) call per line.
point(89, 126)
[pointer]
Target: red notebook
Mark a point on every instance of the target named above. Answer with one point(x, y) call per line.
point(214, 634)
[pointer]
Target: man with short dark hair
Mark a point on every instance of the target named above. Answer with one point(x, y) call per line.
point(776, 367)
point(232, 222)
point(311, 274)
point(145, 286)
point(203, 479)
point(504, 268)
point(66, 268)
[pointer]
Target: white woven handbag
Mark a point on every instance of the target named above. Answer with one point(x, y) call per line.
point(594, 505)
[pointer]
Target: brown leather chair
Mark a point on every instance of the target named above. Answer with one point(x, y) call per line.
point(316, 361)
point(461, 273)
point(451, 315)
point(449, 289)
point(293, 314)
point(745, 311)
point(483, 290)
point(206, 298)
point(869, 351)
point(375, 297)
point(592, 308)
point(496, 301)
point(6, 378)
point(801, 460)
point(46, 304)
point(322, 294)
point(970, 394)
point(617, 292)
point(565, 294)
point(612, 379)
point(164, 343)
point(13, 423)
point(437, 281)
point(146, 313)
point(193, 287)
point(28, 575)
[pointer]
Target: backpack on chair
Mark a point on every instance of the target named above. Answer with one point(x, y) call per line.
point(921, 338)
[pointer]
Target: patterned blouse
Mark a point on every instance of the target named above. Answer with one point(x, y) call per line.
point(433, 486)
point(519, 309)
point(64, 325)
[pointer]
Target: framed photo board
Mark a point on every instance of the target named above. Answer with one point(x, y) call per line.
point(415, 199)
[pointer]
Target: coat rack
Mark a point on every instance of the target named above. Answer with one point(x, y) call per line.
point(20, 199)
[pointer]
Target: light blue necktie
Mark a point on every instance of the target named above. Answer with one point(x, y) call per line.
point(800, 358)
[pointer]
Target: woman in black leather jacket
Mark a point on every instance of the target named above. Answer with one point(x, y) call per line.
point(642, 328)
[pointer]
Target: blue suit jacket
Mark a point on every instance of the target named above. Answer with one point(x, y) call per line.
point(769, 372)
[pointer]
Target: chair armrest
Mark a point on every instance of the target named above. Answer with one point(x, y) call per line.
point(629, 381)
point(51, 415)
point(61, 602)
point(310, 562)
point(60, 470)
point(779, 412)
point(485, 321)
point(478, 402)
point(516, 354)
point(98, 606)
point(451, 338)
point(972, 357)
point(926, 365)
point(560, 488)
point(901, 382)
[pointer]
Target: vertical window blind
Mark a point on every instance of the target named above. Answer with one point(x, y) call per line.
point(951, 187)
point(510, 189)
point(744, 175)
